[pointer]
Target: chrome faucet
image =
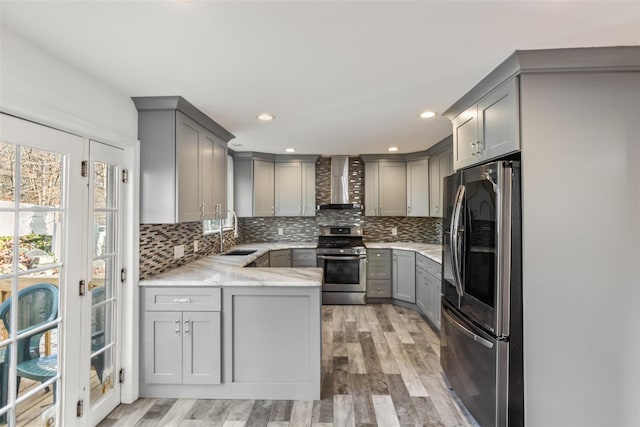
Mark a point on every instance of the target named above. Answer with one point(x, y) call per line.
point(223, 229)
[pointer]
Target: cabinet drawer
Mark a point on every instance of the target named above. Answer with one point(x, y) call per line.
point(379, 255)
point(182, 299)
point(379, 288)
point(429, 265)
point(304, 258)
point(379, 270)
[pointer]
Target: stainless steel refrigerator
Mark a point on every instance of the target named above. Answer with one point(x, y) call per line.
point(481, 335)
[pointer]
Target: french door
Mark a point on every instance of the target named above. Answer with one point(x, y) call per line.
point(101, 308)
point(60, 227)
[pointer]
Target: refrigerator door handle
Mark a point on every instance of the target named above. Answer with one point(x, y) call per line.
point(467, 332)
point(453, 234)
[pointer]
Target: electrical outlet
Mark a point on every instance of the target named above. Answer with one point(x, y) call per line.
point(196, 245)
point(394, 231)
point(280, 231)
point(178, 251)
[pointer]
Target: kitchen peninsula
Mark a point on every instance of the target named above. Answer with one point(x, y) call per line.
point(215, 329)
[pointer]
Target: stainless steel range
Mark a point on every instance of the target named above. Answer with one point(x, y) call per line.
point(343, 258)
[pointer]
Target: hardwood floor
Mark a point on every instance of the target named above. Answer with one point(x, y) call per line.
point(380, 366)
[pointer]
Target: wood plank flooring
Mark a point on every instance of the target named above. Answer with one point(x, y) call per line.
point(380, 366)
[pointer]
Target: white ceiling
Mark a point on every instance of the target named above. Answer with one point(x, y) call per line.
point(340, 77)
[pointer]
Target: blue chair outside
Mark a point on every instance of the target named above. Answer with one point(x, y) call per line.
point(37, 305)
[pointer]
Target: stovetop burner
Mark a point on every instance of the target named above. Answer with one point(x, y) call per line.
point(341, 238)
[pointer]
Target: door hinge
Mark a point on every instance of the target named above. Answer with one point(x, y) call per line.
point(121, 376)
point(84, 169)
point(82, 288)
point(123, 275)
point(125, 175)
point(80, 408)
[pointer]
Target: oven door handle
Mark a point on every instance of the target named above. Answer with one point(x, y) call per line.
point(342, 258)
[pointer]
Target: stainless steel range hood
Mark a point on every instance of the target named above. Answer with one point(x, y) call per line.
point(340, 185)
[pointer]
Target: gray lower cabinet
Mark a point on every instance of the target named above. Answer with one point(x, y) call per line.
point(404, 275)
point(304, 258)
point(379, 273)
point(181, 336)
point(270, 338)
point(428, 288)
point(280, 258)
point(263, 261)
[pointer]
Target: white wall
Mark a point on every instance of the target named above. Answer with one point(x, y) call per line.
point(581, 243)
point(39, 86)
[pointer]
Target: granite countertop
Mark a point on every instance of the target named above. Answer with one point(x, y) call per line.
point(230, 270)
point(429, 250)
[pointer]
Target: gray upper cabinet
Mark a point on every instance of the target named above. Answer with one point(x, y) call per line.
point(182, 162)
point(488, 129)
point(385, 188)
point(309, 188)
point(404, 275)
point(253, 191)
point(440, 165)
point(288, 189)
point(418, 188)
point(295, 188)
point(263, 188)
point(268, 185)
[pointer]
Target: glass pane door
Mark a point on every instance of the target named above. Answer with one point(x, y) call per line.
point(101, 325)
point(36, 201)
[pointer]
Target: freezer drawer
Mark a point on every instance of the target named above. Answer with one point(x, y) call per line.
point(474, 364)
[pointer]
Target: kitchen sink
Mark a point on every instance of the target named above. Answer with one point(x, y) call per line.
point(241, 252)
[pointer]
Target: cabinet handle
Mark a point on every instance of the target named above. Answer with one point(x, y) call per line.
point(177, 326)
point(182, 300)
point(186, 327)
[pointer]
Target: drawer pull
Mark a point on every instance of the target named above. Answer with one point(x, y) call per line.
point(182, 300)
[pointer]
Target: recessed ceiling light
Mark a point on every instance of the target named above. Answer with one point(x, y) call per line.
point(266, 117)
point(392, 148)
point(290, 150)
point(427, 115)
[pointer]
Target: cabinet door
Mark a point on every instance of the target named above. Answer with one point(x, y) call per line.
point(433, 303)
point(498, 124)
point(418, 188)
point(201, 349)
point(392, 186)
point(465, 138)
point(404, 276)
point(379, 288)
point(280, 258)
point(435, 204)
point(207, 166)
point(308, 189)
point(288, 189)
point(263, 188)
point(371, 189)
point(304, 258)
point(188, 169)
point(220, 177)
point(422, 290)
point(162, 346)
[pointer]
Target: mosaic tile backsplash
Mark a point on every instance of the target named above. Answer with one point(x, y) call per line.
point(157, 240)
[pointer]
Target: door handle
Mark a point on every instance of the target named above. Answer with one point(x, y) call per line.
point(467, 332)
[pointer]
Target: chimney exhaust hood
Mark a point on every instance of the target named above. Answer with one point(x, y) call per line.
point(340, 185)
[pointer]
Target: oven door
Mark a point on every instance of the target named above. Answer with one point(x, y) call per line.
point(343, 273)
